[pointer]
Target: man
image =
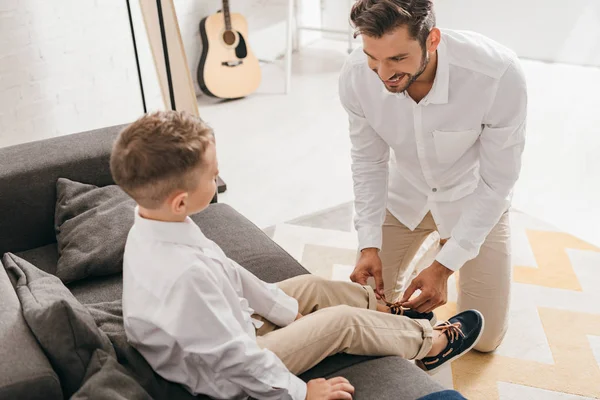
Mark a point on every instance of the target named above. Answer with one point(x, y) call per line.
point(437, 125)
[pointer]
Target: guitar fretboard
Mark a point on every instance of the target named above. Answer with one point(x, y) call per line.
point(227, 15)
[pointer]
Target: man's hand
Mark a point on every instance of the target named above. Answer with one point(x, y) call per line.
point(433, 282)
point(298, 316)
point(369, 264)
point(333, 389)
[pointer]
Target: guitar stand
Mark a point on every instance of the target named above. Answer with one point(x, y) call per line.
point(221, 185)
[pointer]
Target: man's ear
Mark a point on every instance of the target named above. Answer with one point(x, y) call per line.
point(179, 203)
point(433, 40)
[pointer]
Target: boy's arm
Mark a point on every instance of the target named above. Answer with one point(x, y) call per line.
point(267, 299)
point(208, 332)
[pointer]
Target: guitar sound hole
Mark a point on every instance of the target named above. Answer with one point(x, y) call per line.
point(229, 37)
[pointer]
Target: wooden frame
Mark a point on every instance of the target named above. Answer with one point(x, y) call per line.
point(164, 37)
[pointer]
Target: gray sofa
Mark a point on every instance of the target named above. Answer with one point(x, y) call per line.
point(28, 175)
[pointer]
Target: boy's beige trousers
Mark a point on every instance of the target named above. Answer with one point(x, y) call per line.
point(340, 317)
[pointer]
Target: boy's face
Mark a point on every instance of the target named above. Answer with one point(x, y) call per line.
point(206, 177)
point(192, 202)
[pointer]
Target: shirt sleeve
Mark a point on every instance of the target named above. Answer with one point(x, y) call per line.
point(501, 146)
point(267, 299)
point(207, 332)
point(370, 156)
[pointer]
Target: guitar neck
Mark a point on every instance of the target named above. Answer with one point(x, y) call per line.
point(227, 15)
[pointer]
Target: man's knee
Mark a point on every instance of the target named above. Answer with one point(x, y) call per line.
point(489, 342)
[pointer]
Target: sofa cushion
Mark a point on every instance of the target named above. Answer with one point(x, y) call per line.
point(239, 238)
point(92, 224)
point(388, 378)
point(99, 289)
point(106, 379)
point(91, 290)
point(109, 318)
point(45, 257)
point(63, 327)
point(28, 174)
point(244, 243)
point(25, 372)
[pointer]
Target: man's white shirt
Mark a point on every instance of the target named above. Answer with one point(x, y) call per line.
point(456, 154)
point(188, 309)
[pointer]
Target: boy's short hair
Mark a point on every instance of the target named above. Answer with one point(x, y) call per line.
point(155, 155)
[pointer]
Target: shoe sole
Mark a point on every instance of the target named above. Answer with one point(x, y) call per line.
point(436, 369)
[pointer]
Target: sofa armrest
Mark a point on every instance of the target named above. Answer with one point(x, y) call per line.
point(25, 372)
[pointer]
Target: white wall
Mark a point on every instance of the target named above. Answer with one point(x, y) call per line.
point(64, 67)
point(68, 66)
point(548, 30)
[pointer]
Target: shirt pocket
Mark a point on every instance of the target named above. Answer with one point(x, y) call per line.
point(452, 145)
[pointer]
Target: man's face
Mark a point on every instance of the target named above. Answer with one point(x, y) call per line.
point(396, 58)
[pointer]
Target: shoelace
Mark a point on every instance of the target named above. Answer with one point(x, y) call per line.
point(395, 308)
point(452, 331)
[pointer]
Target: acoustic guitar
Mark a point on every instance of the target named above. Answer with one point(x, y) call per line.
point(228, 69)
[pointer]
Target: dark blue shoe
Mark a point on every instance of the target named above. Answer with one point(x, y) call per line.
point(412, 314)
point(463, 332)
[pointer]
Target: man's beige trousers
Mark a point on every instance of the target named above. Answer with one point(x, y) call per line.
point(484, 282)
point(340, 317)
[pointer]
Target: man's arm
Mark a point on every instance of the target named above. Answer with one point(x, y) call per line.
point(207, 331)
point(370, 155)
point(501, 146)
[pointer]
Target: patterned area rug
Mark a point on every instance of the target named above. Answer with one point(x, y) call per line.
point(552, 348)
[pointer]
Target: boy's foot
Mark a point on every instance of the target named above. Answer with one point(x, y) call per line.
point(412, 314)
point(462, 333)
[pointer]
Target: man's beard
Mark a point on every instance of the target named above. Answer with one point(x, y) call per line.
point(411, 78)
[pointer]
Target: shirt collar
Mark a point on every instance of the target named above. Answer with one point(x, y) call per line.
point(187, 232)
point(441, 84)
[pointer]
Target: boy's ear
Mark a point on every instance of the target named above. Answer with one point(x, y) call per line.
point(179, 203)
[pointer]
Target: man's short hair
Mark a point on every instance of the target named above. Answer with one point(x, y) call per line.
point(154, 156)
point(378, 17)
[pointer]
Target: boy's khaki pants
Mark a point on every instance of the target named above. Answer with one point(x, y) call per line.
point(340, 317)
point(483, 283)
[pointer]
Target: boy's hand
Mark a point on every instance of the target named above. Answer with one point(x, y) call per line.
point(333, 389)
point(299, 316)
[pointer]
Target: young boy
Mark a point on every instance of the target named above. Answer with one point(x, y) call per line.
point(202, 320)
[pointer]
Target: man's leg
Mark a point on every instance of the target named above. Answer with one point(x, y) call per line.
point(345, 329)
point(484, 285)
point(400, 245)
point(314, 293)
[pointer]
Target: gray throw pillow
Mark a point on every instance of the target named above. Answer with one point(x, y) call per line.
point(92, 224)
point(109, 319)
point(105, 379)
point(63, 327)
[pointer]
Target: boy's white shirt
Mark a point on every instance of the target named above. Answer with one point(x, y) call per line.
point(188, 309)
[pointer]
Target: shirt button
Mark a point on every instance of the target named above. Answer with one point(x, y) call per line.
point(434, 190)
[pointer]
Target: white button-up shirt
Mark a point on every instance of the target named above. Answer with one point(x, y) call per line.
point(187, 309)
point(457, 153)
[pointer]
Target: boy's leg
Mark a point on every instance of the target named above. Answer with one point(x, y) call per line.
point(399, 247)
point(314, 293)
point(345, 329)
point(484, 285)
